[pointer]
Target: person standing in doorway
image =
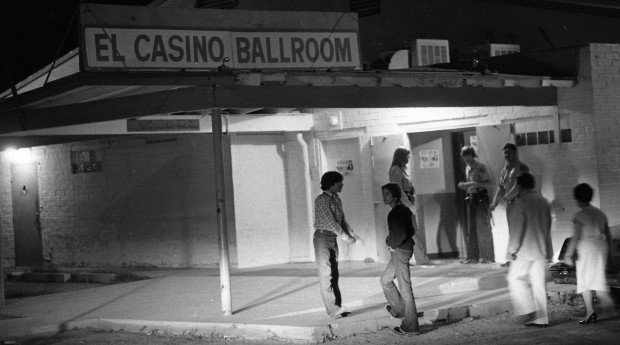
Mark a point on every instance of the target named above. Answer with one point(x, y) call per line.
point(479, 236)
point(507, 189)
point(329, 224)
point(529, 249)
point(398, 174)
point(592, 241)
point(400, 243)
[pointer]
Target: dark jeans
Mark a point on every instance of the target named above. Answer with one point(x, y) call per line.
point(479, 236)
point(402, 302)
point(326, 254)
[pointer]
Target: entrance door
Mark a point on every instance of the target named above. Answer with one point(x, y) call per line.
point(382, 153)
point(489, 143)
point(343, 155)
point(26, 224)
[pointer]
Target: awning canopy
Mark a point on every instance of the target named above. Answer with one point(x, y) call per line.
point(91, 97)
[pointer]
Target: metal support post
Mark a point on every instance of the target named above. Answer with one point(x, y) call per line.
point(218, 156)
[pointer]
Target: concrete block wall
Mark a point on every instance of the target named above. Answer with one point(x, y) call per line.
point(153, 205)
point(557, 167)
point(6, 215)
point(604, 62)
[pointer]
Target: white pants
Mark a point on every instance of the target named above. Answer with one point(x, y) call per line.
point(528, 288)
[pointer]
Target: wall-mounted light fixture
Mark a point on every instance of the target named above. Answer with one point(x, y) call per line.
point(22, 155)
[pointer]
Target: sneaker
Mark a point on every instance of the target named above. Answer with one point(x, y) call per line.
point(505, 264)
point(400, 331)
point(338, 313)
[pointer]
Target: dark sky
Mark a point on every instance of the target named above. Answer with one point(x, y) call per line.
point(31, 31)
point(31, 34)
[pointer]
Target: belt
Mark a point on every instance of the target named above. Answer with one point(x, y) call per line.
point(326, 232)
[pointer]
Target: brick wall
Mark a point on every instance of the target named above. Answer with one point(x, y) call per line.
point(6, 214)
point(604, 62)
point(152, 205)
point(556, 167)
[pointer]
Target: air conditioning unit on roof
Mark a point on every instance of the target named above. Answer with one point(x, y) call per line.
point(426, 52)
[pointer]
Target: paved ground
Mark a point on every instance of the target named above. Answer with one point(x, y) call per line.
point(280, 301)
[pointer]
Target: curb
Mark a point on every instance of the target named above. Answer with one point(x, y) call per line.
point(251, 331)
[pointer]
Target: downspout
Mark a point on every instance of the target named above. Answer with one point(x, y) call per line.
point(307, 191)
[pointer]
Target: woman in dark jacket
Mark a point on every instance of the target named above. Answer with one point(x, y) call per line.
point(400, 243)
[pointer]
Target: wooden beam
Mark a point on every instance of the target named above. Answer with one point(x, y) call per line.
point(203, 97)
point(111, 109)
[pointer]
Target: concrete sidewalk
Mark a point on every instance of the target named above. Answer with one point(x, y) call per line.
point(276, 301)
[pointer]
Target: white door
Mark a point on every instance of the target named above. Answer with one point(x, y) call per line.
point(343, 155)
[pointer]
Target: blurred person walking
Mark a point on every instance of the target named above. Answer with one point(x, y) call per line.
point(400, 242)
point(591, 241)
point(529, 249)
point(398, 174)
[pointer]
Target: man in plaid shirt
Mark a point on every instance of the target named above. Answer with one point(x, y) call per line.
point(329, 224)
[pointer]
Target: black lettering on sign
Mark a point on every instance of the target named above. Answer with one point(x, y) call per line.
point(158, 49)
point(200, 47)
point(137, 46)
point(216, 44)
point(270, 58)
point(327, 49)
point(257, 50)
point(176, 48)
point(343, 49)
point(312, 50)
point(297, 46)
point(100, 47)
point(243, 49)
point(281, 46)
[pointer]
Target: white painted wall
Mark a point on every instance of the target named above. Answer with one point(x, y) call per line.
point(261, 210)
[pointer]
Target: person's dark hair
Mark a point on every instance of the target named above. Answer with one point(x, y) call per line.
point(400, 157)
point(583, 192)
point(468, 150)
point(330, 178)
point(511, 146)
point(394, 189)
point(526, 181)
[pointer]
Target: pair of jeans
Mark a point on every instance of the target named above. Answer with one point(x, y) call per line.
point(326, 254)
point(479, 235)
point(402, 302)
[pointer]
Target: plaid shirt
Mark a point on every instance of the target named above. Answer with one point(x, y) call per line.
point(328, 214)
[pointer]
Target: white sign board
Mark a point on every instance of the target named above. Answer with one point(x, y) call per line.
point(142, 48)
point(429, 159)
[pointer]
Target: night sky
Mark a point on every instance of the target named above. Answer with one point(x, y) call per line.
point(31, 34)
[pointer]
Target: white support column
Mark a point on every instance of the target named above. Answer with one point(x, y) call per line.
point(216, 121)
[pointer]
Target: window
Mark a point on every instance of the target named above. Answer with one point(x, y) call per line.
point(535, 138)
